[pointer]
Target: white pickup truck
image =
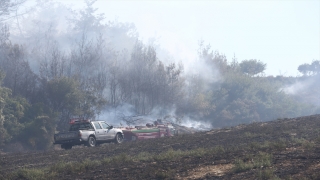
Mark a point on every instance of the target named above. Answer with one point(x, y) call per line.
point(89, 133)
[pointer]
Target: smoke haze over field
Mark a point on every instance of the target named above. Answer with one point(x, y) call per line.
point(245, 28)
point(203, 64)
point(176, 33)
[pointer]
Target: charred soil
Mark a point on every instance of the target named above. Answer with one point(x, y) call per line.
point(280, 149)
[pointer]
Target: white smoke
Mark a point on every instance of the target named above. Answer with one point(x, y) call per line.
point(114, 116)
point(120, 116)
point(198, 125)
point(298, 87)
point(306, 90)
point(50, 22)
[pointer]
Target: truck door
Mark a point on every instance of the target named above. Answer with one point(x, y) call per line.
point(108, 132)
point(99, 131)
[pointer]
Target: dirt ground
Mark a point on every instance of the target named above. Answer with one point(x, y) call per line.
point(293, 146)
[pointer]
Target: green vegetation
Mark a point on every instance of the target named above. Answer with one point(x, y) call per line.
point(303, 142)
point(267, 174)
point(253, 161)
point(280, 144)
point(36, 174)
point(252, 67)
point(68, 167)
point(307, 69)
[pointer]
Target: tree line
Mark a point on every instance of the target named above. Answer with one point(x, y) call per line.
point(53, 74)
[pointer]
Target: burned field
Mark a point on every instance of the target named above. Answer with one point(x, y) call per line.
point(281, 149)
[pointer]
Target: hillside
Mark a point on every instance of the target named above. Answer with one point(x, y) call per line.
point(280, 149)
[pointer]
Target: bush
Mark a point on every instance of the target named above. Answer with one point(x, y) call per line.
point(241, 166)
point(279, 145)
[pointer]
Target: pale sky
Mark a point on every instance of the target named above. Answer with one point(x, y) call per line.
point(281, 33)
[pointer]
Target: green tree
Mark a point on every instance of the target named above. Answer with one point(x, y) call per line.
point(4, 94)
point(252, 67)
point(310, 69)
point(38, 134)
point(305, 69)
point(315, 67)
point(12, 114)
point(244, 99)
point(198, 98)
point(11, 111)
point(215, 60)
point(66, 97)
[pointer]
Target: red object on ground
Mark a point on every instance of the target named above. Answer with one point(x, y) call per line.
point(145, 132)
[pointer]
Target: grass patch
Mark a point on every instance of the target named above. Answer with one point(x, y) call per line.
point(251, 135)
point(164, 174)
point(143, 156)
point(260, 160)
point(73, 167)
point(304, 143)
point(267, 174)
point(279, 145)
point(258, 146)
point(122, 158)
point(199, 152)
point(297, 141)
point(308, 145)
point(32, 174)
point(169, 155)
point(219, 150)
point(241, 166)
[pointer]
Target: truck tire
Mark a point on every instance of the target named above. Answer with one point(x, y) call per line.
point(91, 142)
point(66, 146)
point(118, 139)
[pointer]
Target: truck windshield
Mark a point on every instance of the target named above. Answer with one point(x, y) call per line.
point(80, 126)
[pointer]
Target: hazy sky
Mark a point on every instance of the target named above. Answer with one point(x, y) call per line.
point(283, 33)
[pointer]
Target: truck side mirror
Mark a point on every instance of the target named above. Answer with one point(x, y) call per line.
point(110, 127)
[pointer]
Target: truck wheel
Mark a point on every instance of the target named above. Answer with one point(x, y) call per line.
point(66, 146)
point(118, 139)
point(91, 142)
